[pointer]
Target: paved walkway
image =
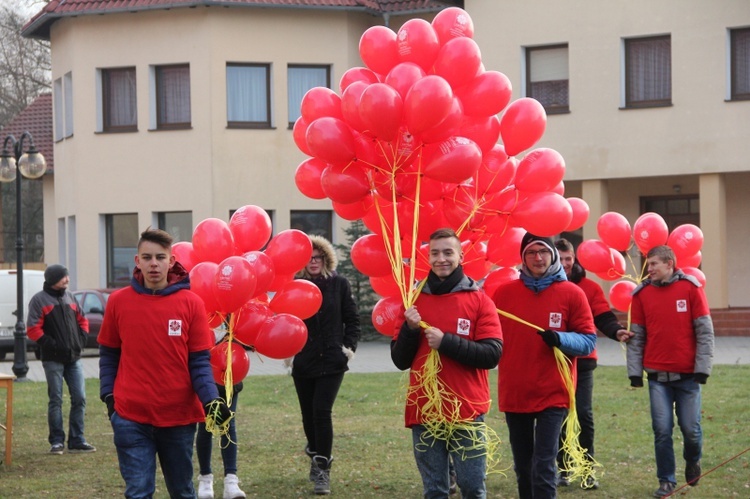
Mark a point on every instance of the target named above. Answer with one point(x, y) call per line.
point(374, 356)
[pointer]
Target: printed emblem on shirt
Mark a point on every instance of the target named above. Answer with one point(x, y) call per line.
point(175, 327)
point(555, 319)
point(682, 305)
point(463, 327)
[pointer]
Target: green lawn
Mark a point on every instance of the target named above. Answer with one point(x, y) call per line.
point(372, 449)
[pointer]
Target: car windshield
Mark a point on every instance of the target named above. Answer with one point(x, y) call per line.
point(105, 297)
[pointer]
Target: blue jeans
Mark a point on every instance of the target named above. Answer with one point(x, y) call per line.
point(204, 442)
point(137, 447)
point(682, 397)
point(534, 440)
point(72, 373)
point(585, 411)
point(432, 458)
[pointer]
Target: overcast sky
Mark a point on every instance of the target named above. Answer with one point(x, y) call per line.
point(28, 7)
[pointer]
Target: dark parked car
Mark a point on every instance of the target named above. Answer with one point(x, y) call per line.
point(93, 302)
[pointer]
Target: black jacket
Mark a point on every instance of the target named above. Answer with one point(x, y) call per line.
point(56, 323)
point(336, 325)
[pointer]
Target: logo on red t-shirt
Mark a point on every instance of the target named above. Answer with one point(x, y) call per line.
point(555, 319)
point(175, 327)
point(463, 327)
point(682, 305)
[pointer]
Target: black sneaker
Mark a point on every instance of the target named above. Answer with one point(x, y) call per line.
point(590, 483)
point(84, 447)
point(563, 480)
point(665, 489)
point(57, 449)
point(453, 487)
point(693, 473)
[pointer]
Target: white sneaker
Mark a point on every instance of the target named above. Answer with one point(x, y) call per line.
point(232, 488)
point(206, 486)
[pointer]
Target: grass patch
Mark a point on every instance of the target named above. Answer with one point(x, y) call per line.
point(372, 449)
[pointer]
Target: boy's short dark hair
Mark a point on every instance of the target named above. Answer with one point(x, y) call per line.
point(157, 236)
point(563, 244)
point(443, 233)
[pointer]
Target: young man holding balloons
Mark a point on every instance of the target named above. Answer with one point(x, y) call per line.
point(673, 343)
point(606, 322)
point(154, 370)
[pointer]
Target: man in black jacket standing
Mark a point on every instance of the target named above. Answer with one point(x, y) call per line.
point(56, 323)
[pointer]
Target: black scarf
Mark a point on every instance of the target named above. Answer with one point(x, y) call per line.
point(445, 286)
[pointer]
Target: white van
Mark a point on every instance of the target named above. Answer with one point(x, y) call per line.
point(33, 280)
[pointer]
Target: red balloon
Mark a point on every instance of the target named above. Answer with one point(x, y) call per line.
point(202, 284)
point(234, 283)
point(281, 336)
point(522, 125)
point(298, 134)
point(495, 172)
point(355, 75)
point(403, 76)
point(484, 130)
point(369, 256)
point(427, 104)
point(263, 269)
point(279, 280)
point(697, 273)
point(458, 61)
point(319, 102)
point(381, 108)
point(451, 23)
point(498, 277)
point(691, 261)
point(185, 254)
point(540, 170)
point(300, 298)
point(378, 49)
point(617, 270)
point(649, 231)
point(461, 205)
point(580, 213)
point(385, 285)
point(240, 364)
point(475, 262)
point(307, 178)
point(290, 251)
point(453, 160)
point(504, 249)
point(450, 126)
point(387, 315)
point(212, 241)
point(353, 211)
point(685, 240)
point(345, 183)
point(350, 101)
point(614, 230)
point(331, 140)
point(418, 43)
point(620, 295)
point(543, 213)
point(249, 320)
point(486, 95)
point(595, 256)
point(251, 229)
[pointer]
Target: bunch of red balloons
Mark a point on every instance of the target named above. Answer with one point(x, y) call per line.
point(410, 145)
point(233, 276)
point(604, 257)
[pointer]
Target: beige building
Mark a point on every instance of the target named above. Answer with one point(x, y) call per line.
point(648, 102)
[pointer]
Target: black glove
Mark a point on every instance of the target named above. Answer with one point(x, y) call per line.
point(636, 381)
point(551, 338)
point(219, 410)
point(700, 378)
point(109, 399)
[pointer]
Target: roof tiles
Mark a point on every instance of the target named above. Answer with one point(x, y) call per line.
point(37, 120)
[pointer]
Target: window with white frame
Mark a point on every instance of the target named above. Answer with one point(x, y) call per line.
point(300, 79)
point(547, 77)
point(248, 95)
point(172, 96)
point(740, 63)
point(122, 245)
point(57, 99)
point(68, 103)
point(648, 71)
point(119, 105)
point(179, 224)
point(62, 98)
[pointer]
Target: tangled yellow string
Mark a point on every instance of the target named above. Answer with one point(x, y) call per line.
point(212, 411)
point(576, 462)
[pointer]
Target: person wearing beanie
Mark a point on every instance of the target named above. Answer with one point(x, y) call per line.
point(531, 391)
point(455, 318)
point(57, 324)
point(606, 322)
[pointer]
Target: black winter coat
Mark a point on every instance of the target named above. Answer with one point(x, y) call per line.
point(335, 325)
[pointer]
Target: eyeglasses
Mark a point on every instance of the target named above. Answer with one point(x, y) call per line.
point(316, 258)
point(542, 252)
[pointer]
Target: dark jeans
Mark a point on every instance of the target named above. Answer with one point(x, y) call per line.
point(137, 447)
point(585, 411)
point(534, 439)
point(204, 442)
point(316, 397)
point(72, 373)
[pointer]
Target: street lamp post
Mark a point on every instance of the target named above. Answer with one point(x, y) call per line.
point(31, 165)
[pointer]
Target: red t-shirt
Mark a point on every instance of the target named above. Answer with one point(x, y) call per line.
point(667, 313)
point(471, 315)
point(528, 378)
point(155, 334)
point(597, 302)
